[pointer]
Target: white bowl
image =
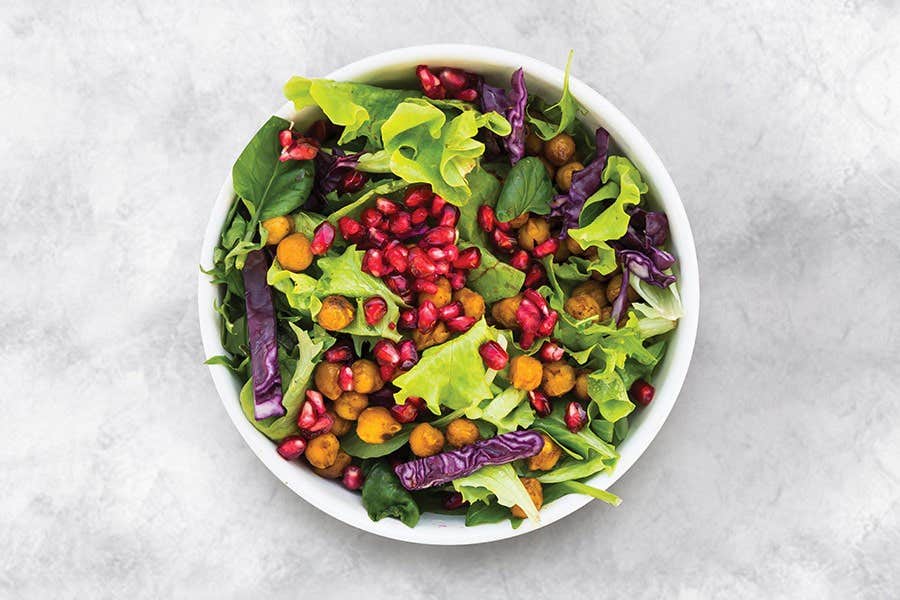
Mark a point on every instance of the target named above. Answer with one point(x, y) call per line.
point(397, 67)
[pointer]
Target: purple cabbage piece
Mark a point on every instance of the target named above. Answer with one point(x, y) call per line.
point(621, 301)
point(512, 106)
point(492, 98)
point(584, 184)
point(261, 335)
point(638, 250)
point(447, 466)
point(330, 169)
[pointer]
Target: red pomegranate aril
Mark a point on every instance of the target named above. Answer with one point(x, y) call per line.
point(417, 195)
point(408, 319)
point(493, 355)
point(353, 181)
point(419, 264)
point(370, 217)
point(377, 237)
point(551, 352)
point(409, 355)
point(386, 206)
point(503, 241)
point(424, 285)
point(460, 324)
point(528, 315)
point(427, 316)
point(576, 417)
point(301, 149)
point(537, 300)
point(503, 226)
point(316, 400)
point(291, 447)
point(437, 205)
point(345, 378)
point(307, 417)
point(323, 237)
point(457, 280)
point(408, 297)
point(449, 216)
point(548, 324)
point(451, 252)
point(453, 79)
point(441, 267)
point(398, 283)
point(400, 223)
point(285, 138)
point(546, 248)
point(436, 253)
point(351, 229)
point(526, 339)
point(438, 236)
point(454, 500)
point(419, 215)
point(404, 413)
point(641, 392)
point(486, 218)
point(431, 84)
point(468, 259)
point(352, 477)
point(374, 309)
point(386, 353)
point(373, 263)
point(338, 353)
point(397, 255)
point(540, 403)
point(520, 260)
point(534, 275)
point(387, 372)
point(452, 310)
point(467, 95)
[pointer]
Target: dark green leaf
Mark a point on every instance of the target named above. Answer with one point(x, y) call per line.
point(384, 496)
point(527, 189)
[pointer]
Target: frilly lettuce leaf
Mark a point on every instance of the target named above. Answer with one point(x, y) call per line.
point(500, 481)
point(298, 288)
point(507, 411)
point(569, 468)
point(343, 275)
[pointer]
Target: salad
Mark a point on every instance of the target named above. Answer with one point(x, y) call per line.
point(450, 298)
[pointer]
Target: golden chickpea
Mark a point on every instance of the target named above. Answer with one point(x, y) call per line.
point(321, 451)
point(473, 303)
point(614, 287)
point(350, 404)
point(438, 335)
point(533, 144)
point(277, 228)
point(564, 175)
point(605, 314)
point(504, 311)
point(535, 231)
point(376, 425)
point(573, 246)
point(594, 289)
point(581, 386)
point(442, 296)
point(336, 313)
point(293, 253)
point(461, 432)
point(337, 468)
point(366, 377)
point(551, 170)
point(525, 373)
point(557, 378)
point(326, 379)
point(560, 149)
point(426, 440)
point(535, 490)
point(547, 458)
point(341, 426)
point(582, 307)
point(519, 221)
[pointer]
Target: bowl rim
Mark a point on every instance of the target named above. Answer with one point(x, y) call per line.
point(445, 530)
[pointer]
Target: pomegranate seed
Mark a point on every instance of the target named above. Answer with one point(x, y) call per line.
point(467, 95)
point(470, 258)
point(430, 83)
point(503, 226)
point(307, 417)
point(323, 237)
point(540, 402)
point(397, 255)
point(373, 263)
point(486, 218)
point(520, 260)
point(551, 352)
point(404, 413)
point(451, 252)
point(546, 248)
point(576, 417)
point(452, 310)
point(291, 447)
point(387, 372)
point(400, 223)
point(548, 324)
point(370, 217)
point(493, 355)
point(441, 267)
point(351, 229)
point(460, 324)
point(428, 316)
point(409, 355)
point(352, 477)
point(339, 353)
point(424, 285)
point(503, 241)
point(535, 275)
point(408, 319)
point(457, 280)
point(385, 352)
point(419, 264)
point(454, 500)
point(436, 253)
point(386, 206)
point(439, 236)
point(285, 138)
point(453, 79)
point(345, 378)
point(376, 238)
point(383, 397)
point(352, 182)
point(528, 315)
point(374, 309)
point(642, 392)
point(318, 130)
point(538, 301)
point(316, 400)
point(419, 215)
point(302, 148)
point(398, 283)
point(417, 195)
point(449, 216)
point(417, 402)
point(437, 205)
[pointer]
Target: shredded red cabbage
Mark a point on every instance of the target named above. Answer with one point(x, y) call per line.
point(584, 184)
point(638, 250)
point(261, 335)
point(330, 169)
point(512, 106)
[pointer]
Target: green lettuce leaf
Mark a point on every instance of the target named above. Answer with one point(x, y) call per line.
point(559, 117)
point(500, 481)
point(577, 445)
point(527, 188)
point(384, 496)
point(298, 288)
point(343, 275)
point(555, 491)
point(508, 411)
point(570, 469)
point(485, 189)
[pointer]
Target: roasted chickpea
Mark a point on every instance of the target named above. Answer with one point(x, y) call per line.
point(461, 432)
point(551, 170)
point(366, 377)
point(350, 404)
point(473, 303)
point(564, 175)
point(326, 379)
point(293, 253)
point(525, 373)
point(562, 253)
point(559, 149)
point(605, 314)
point(533, 144)
point(321, 451)
point(519, 221)
point(277, 228)
point(594, 289)
point(535, 490)
point(547, 458)
point(581, 386)
point(615, 285)
point(573, 246)
point(534, 232)
point(582, 307)
point(376, 425)
point(341, 426)
point(336, 313)
point(557, 378)
point(504, 311)
point(442, 296)
point(438, 335)
point(426, 440)
point(337, 468)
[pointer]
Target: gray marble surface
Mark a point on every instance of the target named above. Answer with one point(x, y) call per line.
point(777, 474)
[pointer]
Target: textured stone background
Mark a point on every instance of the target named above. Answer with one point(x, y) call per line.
point(778, 473)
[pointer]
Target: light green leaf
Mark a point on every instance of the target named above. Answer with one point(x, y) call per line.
point(570, 469)
point(559, 117)
point(508, 411)
point(555, 491)
point(343, 275)
point(502, 482)
point(298, 288)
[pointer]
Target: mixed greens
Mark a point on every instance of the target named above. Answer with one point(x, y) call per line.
point(451, 298)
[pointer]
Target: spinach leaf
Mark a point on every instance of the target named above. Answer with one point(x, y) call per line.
point(482, 513)
point(384, 496)
point(526, 189)
point(494, 279)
